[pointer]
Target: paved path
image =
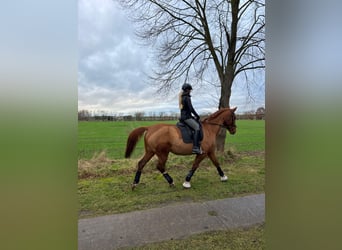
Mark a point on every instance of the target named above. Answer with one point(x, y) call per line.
point(170, 222)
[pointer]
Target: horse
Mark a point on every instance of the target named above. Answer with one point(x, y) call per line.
point(161, 139)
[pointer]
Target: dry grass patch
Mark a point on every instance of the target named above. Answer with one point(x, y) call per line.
point(97, 166)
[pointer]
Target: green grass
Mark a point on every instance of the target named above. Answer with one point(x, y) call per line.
point(105, 177)
point(239, 239)
point(95, 137)
point(107, 188)
point(250, 136)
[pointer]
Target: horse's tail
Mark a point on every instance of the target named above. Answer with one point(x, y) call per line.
point(133, 139)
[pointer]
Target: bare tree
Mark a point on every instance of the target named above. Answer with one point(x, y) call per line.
point(84, 115)
point(139, 115)
point(195, 37)
point(260, 113)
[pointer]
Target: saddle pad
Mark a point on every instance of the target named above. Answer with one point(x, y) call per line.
point(187, 133)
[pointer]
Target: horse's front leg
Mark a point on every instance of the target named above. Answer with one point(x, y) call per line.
point(195, 165)
point(214, 160)
point(168, 178)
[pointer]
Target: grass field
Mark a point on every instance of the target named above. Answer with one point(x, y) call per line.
point(96, 137)
point(105, 177)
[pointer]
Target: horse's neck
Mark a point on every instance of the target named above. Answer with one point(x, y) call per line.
point(217, 120)
point(214, 125)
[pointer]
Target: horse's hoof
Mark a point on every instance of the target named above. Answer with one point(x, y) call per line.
point(134, 185)
point(172, 185)
point(186, 184)
point(224, 178)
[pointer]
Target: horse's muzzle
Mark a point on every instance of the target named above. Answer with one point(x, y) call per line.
point(232, 130)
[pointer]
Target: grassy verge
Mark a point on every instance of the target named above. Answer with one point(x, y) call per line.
point(104, 185)
point(240, 239)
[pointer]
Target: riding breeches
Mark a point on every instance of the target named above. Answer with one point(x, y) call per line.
point(193, 124)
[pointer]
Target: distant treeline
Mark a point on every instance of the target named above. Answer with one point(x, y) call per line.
point(85, 115)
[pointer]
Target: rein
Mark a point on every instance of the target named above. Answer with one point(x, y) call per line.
point(220, 125)
point(217, 124)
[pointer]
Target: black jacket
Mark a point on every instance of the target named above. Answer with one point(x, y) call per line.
point(187, 108)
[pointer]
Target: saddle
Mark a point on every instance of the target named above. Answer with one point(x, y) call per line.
point(188, 133)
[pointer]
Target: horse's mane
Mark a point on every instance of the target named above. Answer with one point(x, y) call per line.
point(216, 114)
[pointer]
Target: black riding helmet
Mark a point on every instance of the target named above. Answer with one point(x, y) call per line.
point(186, 86)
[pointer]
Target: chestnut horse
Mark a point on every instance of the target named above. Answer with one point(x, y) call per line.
point(161, 139)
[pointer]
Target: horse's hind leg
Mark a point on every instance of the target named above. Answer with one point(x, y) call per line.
point(162, 158)
point(141, 165)
point(214, 160)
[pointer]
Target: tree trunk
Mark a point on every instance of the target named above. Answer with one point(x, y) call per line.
point(229, 74)
point(220, 140)
point(224, 103)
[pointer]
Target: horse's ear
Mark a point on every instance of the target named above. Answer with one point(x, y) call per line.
point(233, 108)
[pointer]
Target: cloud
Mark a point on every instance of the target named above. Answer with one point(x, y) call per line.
point(113, 68)
point(110, 62)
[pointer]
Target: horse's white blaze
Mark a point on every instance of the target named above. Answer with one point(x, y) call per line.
point(224, 178)
point(187, 184)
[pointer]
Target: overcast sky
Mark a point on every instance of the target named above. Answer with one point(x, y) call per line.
point(113, 67)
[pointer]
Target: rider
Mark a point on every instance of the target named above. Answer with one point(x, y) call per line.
point(187, 110)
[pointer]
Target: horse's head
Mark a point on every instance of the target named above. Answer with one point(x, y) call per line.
point(225, 118)
point(229, 121)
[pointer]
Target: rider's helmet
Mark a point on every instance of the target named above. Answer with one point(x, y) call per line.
point(186, 86)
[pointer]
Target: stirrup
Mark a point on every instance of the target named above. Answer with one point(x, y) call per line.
point(197, 151)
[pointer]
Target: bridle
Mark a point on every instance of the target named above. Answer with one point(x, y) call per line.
point(223, 125)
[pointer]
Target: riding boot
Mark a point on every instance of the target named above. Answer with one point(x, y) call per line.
point(196, 144)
